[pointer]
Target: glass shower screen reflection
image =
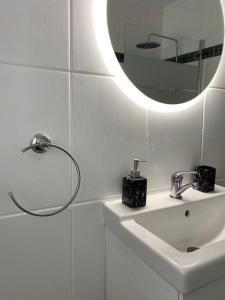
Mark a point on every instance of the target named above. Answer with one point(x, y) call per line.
point(164, 67)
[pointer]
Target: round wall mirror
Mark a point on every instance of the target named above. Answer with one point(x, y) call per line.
point(169, 49)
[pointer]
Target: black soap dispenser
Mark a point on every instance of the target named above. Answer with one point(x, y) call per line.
point(134, 188)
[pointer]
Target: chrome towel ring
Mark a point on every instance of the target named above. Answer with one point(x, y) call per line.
point(40, 144)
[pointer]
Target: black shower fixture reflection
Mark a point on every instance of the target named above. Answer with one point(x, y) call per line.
point(153, 45)
point(147, 45)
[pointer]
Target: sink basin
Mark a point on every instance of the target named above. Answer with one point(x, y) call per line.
point(195, 224)
point(182, 240)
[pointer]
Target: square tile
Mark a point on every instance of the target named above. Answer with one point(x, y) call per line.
point(214, 144)
point(108, 132)
point(35, 33)
point(36, 257)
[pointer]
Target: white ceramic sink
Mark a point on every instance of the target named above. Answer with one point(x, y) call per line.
point(161, 233)
point(195, 224)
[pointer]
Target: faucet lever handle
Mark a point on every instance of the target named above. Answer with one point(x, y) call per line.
point(176, 183)
point(177, 177)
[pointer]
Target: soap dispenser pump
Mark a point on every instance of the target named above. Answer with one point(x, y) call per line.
point(134, 188)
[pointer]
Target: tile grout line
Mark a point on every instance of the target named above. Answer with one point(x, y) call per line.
point(147, 135)
point(43, 68)
point(52, 69)
point(74, 31)
point(203, 127)
point(215, 88)
point(105, 267)
point(21, 214)
point(70, 28)
point(94, 74)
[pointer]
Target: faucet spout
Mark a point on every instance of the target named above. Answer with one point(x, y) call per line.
point(177, 189)
point(183, 189)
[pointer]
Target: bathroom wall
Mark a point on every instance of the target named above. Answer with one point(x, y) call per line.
point(53, 80)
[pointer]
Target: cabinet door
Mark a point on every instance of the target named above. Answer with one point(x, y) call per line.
point(213, 291)
point(129, 278)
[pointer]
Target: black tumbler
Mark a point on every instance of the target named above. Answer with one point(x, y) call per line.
point(205, 178)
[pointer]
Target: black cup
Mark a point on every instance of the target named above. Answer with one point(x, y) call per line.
point(205, 178)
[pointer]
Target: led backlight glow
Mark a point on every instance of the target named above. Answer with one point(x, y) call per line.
point(106, 49)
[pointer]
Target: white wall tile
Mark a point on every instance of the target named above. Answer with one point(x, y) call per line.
point(86, 55)
point(35, 32)
point(175, 143)
point(221, 182)
point(33, 101)
point(214, 142)
point(36, 257)
point(89, 252)
point(108, 132)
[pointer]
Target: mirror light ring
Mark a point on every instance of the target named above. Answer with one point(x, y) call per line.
point(105, 47)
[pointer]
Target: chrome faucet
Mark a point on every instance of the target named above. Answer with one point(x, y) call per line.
point(177, 189)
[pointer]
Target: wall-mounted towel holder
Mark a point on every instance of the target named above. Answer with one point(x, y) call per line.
point(40, 144)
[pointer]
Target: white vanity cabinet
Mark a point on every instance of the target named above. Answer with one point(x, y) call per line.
point(129, 278)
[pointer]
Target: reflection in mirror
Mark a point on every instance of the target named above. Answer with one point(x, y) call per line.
point(170, 49)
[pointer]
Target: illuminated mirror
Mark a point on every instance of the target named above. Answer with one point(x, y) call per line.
point(169, 49)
